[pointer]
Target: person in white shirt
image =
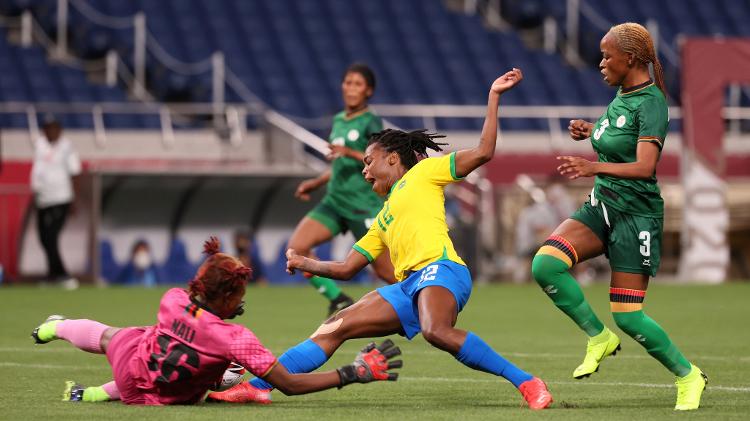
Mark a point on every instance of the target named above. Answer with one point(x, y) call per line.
point(55, 165)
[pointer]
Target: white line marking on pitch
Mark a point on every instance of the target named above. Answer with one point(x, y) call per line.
point(617, 384)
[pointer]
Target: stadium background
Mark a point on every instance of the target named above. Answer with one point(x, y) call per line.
point(196, 118)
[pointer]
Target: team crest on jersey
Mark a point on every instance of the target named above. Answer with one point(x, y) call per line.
point(620, 121)
point(352, 135)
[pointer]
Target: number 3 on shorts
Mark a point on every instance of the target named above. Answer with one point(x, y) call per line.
point(429, 273)
point(645, 238)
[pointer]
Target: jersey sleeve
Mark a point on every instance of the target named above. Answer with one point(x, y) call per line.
point(370, 245)
point(439, 170)
point(246, 350)
point(653, 119)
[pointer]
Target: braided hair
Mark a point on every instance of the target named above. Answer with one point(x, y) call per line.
point(634, 39)
point(219, 275)
point(410, 146)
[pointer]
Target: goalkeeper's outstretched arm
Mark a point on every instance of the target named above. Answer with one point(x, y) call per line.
point(371, 364)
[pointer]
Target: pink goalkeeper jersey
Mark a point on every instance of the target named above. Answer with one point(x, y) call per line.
point(190, 348)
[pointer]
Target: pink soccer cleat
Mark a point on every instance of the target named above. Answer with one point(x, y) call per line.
point(535, 393)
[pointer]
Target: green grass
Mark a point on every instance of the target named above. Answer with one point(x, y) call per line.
point(709, 323)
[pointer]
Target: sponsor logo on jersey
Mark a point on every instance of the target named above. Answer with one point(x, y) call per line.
point(646, 262)
point(352, 135)
point(550, 289)
point(338, 141)
point(640, 338)
point(401, 184)
point(620, 121)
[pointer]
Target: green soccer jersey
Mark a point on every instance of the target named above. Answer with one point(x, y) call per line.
point(635, 115)
point(348, 192)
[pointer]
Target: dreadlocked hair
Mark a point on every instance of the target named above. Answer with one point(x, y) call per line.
point(633, 38)
point(219, 275)
point(410, 146)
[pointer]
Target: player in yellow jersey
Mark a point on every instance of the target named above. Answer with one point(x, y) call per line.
point(434, 282)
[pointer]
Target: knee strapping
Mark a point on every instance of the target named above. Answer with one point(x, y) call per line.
point(327, 328)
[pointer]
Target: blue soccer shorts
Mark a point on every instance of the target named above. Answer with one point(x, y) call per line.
point(402, 296)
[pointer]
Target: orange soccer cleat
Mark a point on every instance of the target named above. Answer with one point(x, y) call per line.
point(242, 393)
point(535, 393)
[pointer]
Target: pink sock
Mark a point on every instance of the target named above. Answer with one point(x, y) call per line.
point(112, 390)
point(82, 333)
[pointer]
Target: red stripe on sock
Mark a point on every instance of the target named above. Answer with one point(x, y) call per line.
point(567, 244)
point(625, 291)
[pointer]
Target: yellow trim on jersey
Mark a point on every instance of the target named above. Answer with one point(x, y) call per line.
point(268, 371)
point(411, 223)
point(635, 90)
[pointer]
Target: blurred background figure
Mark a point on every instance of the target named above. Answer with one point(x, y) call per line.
point(141, 270)
point(55, 166)
point(247, 253)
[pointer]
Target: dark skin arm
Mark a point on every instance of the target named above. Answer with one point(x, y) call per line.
point(345, 270)
point(468, 160)
point(309, 185)
point(647, 155)
point(339, 151)
point(298, 384)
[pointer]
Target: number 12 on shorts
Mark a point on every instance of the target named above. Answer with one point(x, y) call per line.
point(429, 273)
point(645, 239)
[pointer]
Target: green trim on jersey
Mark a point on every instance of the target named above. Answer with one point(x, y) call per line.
point(348, 192)
point(453, 167)
point(363, 252)
point(633, 116)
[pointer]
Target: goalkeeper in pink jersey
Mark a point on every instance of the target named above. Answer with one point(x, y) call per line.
point(187, 352)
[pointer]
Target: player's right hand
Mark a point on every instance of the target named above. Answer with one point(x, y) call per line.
point(372, 364)
point(580, 129)
point(293, 261)
point(304, 188)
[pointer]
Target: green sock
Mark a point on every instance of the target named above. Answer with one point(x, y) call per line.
point(48, 331)
point(326, 286)
point(552, 275)
point(95, 394)
point(651, 336)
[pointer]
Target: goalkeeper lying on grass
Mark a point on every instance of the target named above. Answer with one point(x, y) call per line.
point(187, 352)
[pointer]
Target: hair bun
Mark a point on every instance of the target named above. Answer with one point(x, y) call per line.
point(211, 246)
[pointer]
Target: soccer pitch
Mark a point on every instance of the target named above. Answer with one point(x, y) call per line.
point(709, 324)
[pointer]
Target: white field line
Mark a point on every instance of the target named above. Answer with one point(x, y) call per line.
point(614, 384)
point(420, 379)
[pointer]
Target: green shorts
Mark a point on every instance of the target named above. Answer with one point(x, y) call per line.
point(632, 243)
point(339, 224)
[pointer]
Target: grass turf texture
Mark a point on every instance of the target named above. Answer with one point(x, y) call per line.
point(709, 323)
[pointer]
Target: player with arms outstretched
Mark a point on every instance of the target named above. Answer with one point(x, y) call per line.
point(434, 282)
point(349, 203)
point(624, 216)
point(177, 360)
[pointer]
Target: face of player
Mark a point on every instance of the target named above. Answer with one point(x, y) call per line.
point(381, 168)
point(52, 132)
point(355, 91)
point(615, 64)
point(227, 309)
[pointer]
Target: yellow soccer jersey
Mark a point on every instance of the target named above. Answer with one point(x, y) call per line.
point(412, 221)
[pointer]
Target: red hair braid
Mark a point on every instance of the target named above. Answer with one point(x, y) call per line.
point(219, 275)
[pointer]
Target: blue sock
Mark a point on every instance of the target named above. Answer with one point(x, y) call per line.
point(476, 354)
point(301, 358)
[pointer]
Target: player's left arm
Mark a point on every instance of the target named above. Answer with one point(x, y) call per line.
point(345, 270)
point(468, 160)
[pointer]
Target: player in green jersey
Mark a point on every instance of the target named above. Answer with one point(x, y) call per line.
point(623, 218)
point(349, 203)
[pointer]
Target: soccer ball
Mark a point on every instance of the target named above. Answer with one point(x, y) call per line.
point(232, 377)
